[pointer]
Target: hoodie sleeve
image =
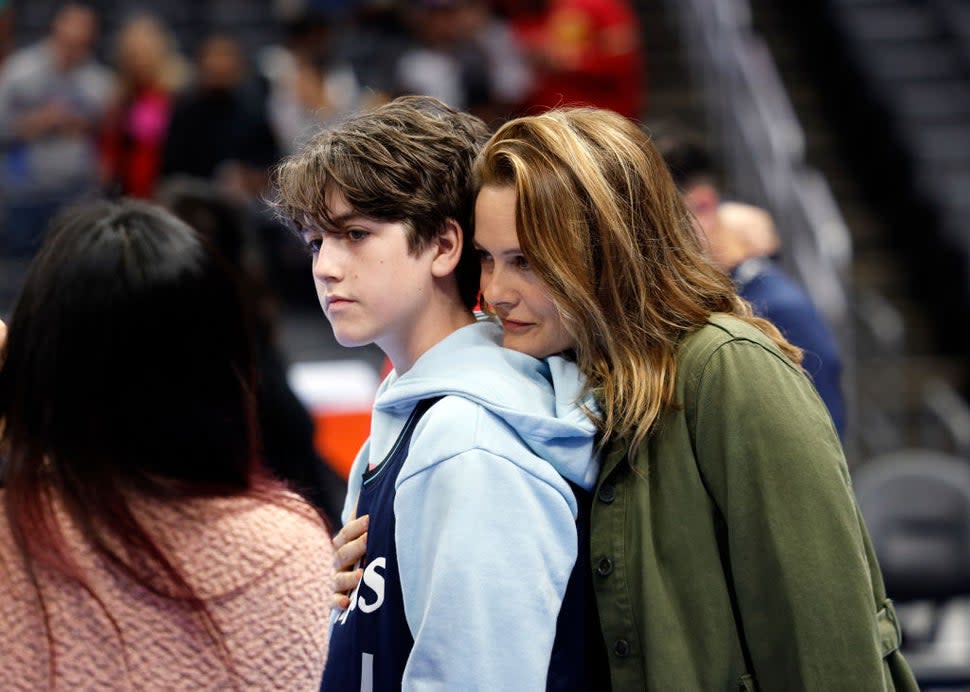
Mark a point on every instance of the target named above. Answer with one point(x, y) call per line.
point(485, 549)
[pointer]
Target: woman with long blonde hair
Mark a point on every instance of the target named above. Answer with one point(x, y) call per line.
point(727, 549)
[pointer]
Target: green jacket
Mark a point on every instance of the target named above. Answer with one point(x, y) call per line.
point(730, 554)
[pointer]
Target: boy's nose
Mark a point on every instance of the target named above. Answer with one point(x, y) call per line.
point(326, 266)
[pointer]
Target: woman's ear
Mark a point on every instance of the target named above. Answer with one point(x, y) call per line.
point(448, 245)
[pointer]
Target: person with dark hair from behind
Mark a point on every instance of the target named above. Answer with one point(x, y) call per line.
point(141, 544)
point(742, 250)
point(287, 429)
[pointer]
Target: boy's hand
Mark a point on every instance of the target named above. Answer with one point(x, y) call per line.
point(350, 544)
point(3, 333)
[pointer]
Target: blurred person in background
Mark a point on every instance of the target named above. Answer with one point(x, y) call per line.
point(372, 41)
point(52, 98)
point(6, 29)
point(310, 85)
point(509, 73)
point(219, 127)
point(463, 56)
point(142, 545)
point(740, 241)
point(149, 73)
point(583, 52)
point(6, 45)
point(443, 62)
point(287, 429)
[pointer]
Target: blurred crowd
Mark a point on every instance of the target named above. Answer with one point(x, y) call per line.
point(119, 103)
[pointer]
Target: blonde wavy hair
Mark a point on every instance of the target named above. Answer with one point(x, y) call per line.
point(603, 225)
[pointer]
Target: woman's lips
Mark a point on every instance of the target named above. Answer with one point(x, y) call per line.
point(516, 327)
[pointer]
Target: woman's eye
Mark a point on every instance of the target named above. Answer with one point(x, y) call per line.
point(521, 262)
point(483, 256)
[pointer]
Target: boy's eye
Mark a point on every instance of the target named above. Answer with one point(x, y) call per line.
point(313, 245)
point(357, 234)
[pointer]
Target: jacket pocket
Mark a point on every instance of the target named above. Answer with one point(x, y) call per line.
point(746, 683)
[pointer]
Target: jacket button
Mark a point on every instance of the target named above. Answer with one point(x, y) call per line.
point(621, 648)
point(607, 493)
point(605, 567)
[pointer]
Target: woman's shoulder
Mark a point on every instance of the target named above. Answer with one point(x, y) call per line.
point(284, 518)
point(720, 328)
point(227, 543)
point(273, 511)
point(718, 331)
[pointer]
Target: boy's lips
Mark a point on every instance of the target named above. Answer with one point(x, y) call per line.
point(336, 302)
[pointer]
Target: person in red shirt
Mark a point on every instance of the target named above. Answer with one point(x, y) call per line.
point(584, 52)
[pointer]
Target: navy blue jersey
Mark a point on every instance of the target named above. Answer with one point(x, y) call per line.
point(370, 642)
point(579, 661)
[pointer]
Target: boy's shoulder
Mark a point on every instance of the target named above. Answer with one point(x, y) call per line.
point(457, 426)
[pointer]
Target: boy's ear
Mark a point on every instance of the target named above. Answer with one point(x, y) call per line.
point(447, 246)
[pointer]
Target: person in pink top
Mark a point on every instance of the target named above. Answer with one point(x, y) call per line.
point(132, 133)
point(142, 546)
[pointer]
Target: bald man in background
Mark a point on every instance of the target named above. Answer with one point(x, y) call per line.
point(741, 240)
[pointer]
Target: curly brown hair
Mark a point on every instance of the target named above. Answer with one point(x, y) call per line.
point(406, 161)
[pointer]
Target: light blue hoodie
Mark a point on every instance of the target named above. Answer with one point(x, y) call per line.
point(485, 519)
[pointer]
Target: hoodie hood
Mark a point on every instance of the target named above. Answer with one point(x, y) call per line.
point(536, 398)
point(492, 460)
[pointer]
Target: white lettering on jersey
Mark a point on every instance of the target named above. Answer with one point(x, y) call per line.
point(375, 582)
point(367, 673)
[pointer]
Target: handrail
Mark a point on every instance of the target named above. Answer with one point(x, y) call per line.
point(765, 158)
point(943, 402)
point(764, 149)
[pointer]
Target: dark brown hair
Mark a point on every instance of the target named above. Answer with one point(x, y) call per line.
point(127, 371)
point(406, 161)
